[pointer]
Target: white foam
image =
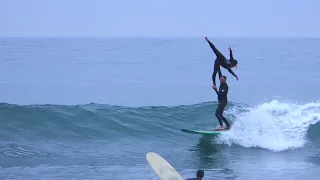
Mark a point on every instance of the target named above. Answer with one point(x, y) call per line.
point(274, 125)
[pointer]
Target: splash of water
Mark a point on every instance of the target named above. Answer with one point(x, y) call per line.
point(274, 125)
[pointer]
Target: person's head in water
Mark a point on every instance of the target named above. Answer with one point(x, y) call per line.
point(200, 174)
point(223, 79)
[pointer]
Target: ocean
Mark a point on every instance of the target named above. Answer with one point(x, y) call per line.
point(91, 108)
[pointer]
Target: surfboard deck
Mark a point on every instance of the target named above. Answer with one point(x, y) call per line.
point(161, 167)
point(207, 132)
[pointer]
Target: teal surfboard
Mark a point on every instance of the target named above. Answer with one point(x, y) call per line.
point(207, 132)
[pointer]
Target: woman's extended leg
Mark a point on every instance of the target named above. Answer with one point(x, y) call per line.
point(215, 71)
point(219, 55)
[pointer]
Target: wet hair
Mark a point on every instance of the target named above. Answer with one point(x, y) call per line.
point(224, 77)
point(200, 173)
point(234, 62)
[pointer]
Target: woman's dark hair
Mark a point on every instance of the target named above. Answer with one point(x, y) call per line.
point(234, 62)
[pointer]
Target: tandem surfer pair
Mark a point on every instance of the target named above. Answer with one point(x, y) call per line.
point(223, 89)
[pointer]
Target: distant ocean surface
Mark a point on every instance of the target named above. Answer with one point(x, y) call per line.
point(91, 108)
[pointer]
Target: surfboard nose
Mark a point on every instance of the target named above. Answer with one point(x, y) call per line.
point(161, 167)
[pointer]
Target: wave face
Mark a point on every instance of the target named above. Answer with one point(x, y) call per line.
point(274, 125)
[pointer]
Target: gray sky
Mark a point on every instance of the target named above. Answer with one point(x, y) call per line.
point(114, 18)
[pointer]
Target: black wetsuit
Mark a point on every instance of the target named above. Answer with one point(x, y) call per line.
point(223, 101)
point(200, 175)
point(220, 61)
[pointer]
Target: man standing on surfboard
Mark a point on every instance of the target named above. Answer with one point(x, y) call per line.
point(223, 101)
point(222, 61)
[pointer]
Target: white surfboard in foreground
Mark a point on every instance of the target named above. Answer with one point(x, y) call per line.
point(161, 167)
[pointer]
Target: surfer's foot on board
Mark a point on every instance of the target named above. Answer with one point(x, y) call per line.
point(220, 128)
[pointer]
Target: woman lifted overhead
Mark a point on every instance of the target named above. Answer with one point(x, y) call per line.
point(222, 61)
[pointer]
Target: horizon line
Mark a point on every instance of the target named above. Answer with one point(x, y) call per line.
point(178, 37)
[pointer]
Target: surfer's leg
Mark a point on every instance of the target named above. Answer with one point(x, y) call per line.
point(216, 69)
point(220, 120)
point(219, 72)
point(224, 104)
point(225, 120)
point(219, 114)
point(216, 51)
